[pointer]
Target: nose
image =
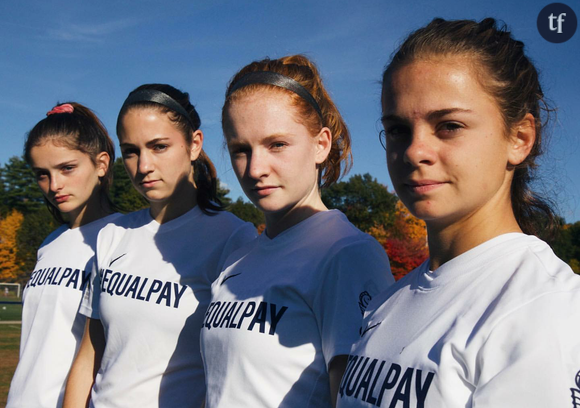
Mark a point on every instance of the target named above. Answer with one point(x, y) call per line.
point(145, 163)
point(420, 149)
point(56, 183)
point(257, 165)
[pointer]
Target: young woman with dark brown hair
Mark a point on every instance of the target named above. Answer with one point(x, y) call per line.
point(151, 282)
point(491, 318)
point(72, 156)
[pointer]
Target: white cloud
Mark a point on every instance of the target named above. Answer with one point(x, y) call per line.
point(89, 32)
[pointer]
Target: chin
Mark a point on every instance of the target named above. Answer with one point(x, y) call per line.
point(422, 210)
point(266, 208)
point(65, 207)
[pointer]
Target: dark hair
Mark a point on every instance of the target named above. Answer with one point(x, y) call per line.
point(302, 70)
point(507, 74)
point(77, 130)
point(204, 171)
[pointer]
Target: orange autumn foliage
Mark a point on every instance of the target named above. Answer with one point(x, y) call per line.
point(9, 265)
point(405, 242)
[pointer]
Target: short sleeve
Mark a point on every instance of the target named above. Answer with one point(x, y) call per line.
point(353, 275)
point(532, 357)
point(90, 302)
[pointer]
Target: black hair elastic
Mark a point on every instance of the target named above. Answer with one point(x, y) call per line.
point(279, 80)
point(153, 95)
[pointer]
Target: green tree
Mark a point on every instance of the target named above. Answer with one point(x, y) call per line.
point(123, 194)
point(242, 210)
point(567, 243)
point(35, 227)
point(3, 206)
point(20, 189)
point(365, 201)
point(246, 212)
point(222, 193)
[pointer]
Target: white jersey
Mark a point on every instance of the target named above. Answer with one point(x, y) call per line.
point(498, 326)
point(283, 308)
point(150, 290)
point(52, 328)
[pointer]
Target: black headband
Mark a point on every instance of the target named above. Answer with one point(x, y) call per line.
point(276, 79)
point(153, 95)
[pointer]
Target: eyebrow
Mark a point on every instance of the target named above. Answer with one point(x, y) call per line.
point(63, 164)
point(444, 112)
point(430, 115)
point(275, 136)
point(266, 140)
point(149, 143)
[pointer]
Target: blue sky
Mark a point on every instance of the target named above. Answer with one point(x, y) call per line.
point(97, 52)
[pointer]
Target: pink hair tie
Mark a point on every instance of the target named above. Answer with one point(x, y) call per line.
point(64, 108)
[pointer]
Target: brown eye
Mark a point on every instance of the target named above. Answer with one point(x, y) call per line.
point(126, 153)
point(450, 128)
point(238, 151)
point(397, 132)
point(41, 176)
point(160, 147)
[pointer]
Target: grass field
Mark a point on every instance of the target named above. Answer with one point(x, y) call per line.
point(9, 346)
point(10, 312)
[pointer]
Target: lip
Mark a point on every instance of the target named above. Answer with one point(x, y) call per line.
point(61, 198)
point(149, 183)
point(423, 186)
point(264, 191)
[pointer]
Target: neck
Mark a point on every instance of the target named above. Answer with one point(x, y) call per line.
point(92, 211)
point(176, 206)
point(278, 222)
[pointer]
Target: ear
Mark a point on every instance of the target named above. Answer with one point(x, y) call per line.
point(196, 145)
point(522, 140)
point(323, 141)
point(102, 163)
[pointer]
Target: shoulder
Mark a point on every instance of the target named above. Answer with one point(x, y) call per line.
point(119, 225)
point(332, 229)
point(354, 256)
point(54, 235)
point(529, 291)
point(345, 241)
point(533, 268)
point(226, 220)
point(224, 226)
point(129, 220)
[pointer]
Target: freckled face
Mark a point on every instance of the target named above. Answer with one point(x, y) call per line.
point(447, 150)
point(273, 154)
point(156, 155)
point(68, 178)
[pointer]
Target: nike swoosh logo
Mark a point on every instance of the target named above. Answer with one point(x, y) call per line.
point(369, 328)
point(229, 276)
point(117, 258)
